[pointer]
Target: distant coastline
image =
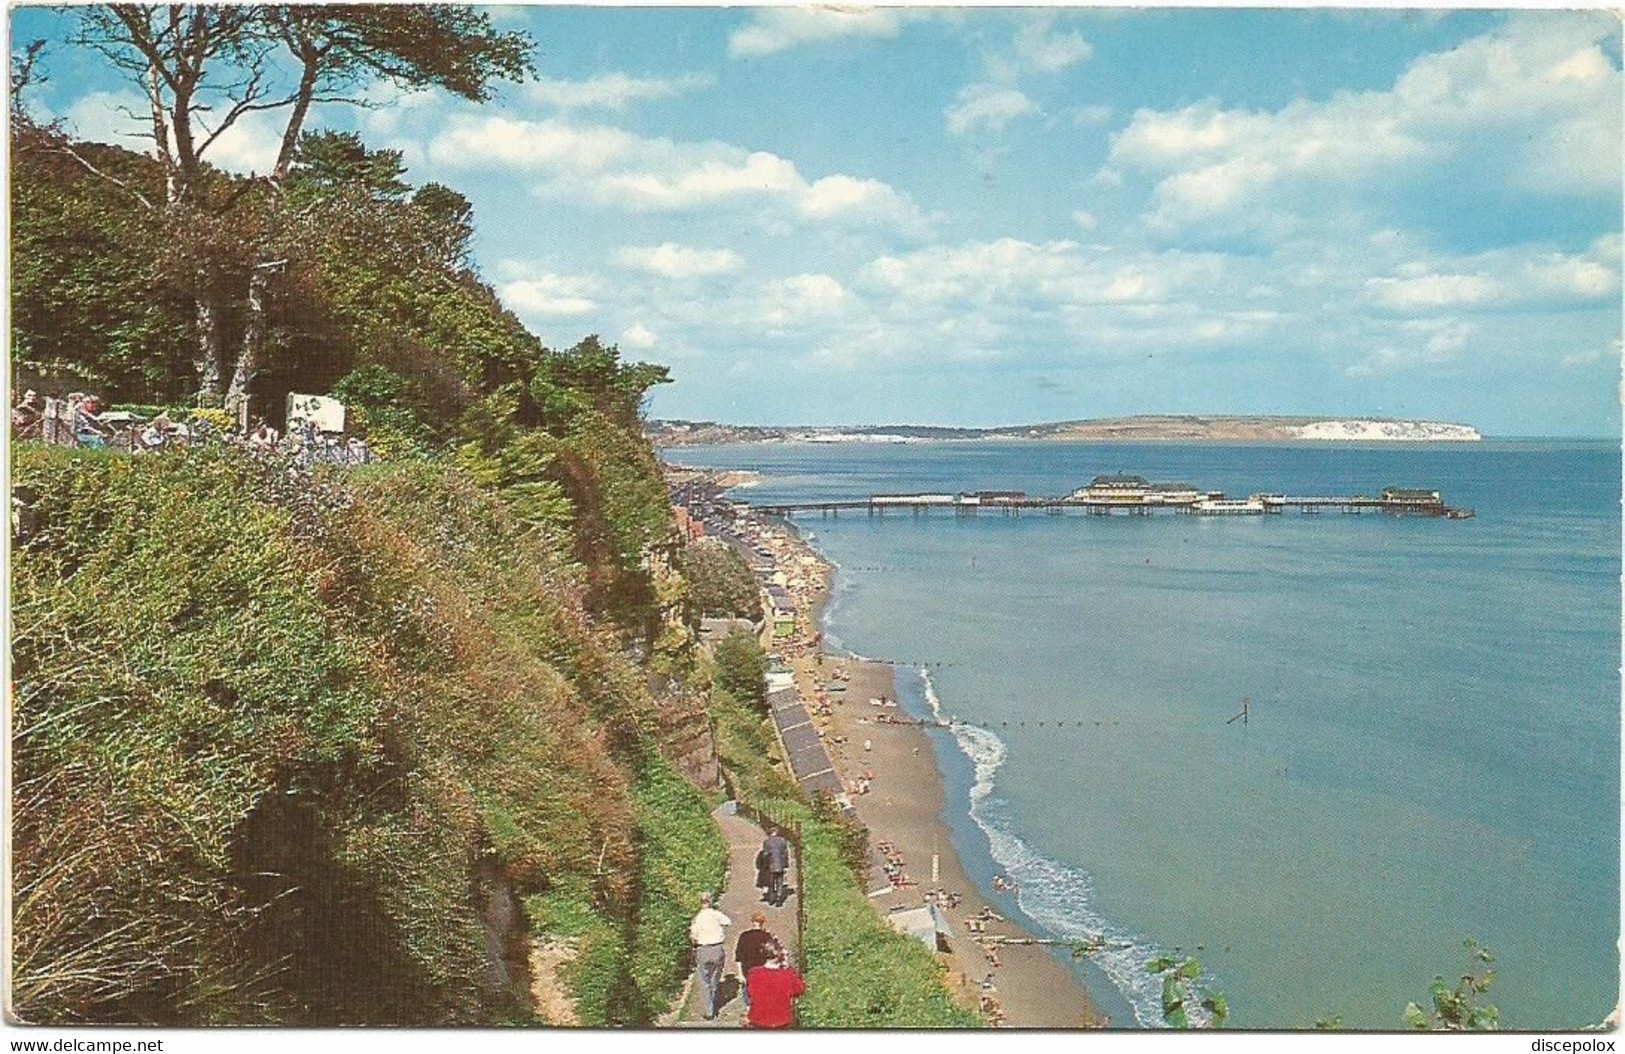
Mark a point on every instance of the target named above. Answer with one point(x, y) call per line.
point(676, 433)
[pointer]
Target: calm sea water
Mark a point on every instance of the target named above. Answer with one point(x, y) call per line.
point(1433, 750)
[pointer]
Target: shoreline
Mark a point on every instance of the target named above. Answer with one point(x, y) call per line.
point(989, 967)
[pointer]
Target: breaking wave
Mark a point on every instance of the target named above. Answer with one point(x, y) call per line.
point(1057, 896)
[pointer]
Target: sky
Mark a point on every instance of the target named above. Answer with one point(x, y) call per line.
point(997, 216)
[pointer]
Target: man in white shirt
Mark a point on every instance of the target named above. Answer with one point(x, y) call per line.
point(710, 950)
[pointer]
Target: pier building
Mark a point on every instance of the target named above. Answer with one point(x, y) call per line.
point(1118, 488)
point(1408, 497)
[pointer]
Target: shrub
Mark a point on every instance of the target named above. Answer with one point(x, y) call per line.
point(279, 739)
point(742, 668)
point(721, 584)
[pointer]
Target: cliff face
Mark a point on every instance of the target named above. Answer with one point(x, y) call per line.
point(321, 749)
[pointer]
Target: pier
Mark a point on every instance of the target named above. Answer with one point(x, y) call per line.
point(1130, 496)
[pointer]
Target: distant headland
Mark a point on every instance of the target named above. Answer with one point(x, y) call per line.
point(1141, 427)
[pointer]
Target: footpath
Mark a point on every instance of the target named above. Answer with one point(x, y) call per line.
point(740, 900)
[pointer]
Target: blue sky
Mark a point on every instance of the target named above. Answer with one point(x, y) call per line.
point(985, 216)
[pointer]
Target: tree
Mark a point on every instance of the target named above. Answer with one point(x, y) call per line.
point(592, 374)
point(330, 164)
point(202, 68)
point(721, 584)
point(1457, 1009)
point(742, 668)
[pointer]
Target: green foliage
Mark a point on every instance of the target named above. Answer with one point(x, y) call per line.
point(388, 409)
point(441, 45)
point(741, 668)
point(1181, 994)
point(721, 584)
point(681, 853)
point(329, 163)
point(860, 972)
point(591, 375)
point(150, 728)
point(853, 836)
point(626, 972)
point(277, 736)
point(270, 730)
point(1457, 1008)
point(89, 305)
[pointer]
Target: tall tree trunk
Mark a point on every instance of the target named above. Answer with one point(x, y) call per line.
point(210, 339)
point(296, 120)
point(160, 135)
point(252, 355)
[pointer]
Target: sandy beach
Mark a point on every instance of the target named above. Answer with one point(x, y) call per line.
point(903, 811)
point(1013, 985)
point(1016, 986)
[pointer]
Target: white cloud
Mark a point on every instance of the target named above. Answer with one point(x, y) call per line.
point(777, 29)
point(1037, 48)
point(609, 166)
point(109, 117)
point(1085, 220)
point(862, 202)
point(1434, 291)
point(470, 142)
point(1536, 99)
point(670, 260)
point(986, 104)
point(390, 109)
point(551, 294)
point(758, 173)
point(251, 144)
point(637, 336)
point(1009, 271)
point(612, 91)
point(1610, 354)
point(1421, 343)
point(1518, 277)
point(1043, 51)
point(803, 296)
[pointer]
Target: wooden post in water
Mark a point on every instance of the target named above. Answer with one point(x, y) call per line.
point(1242, 717)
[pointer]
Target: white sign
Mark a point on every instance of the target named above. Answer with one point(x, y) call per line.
point(326, 414)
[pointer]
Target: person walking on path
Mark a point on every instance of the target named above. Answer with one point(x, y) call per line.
point(777, 853)
point(772, 990)
point(755, 947)
point(706, 932)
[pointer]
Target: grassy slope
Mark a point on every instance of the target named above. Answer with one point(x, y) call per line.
point(278, 741)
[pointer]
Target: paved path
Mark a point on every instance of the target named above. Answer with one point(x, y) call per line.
point(741, 899)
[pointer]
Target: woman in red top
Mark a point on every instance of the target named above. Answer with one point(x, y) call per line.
point(773, 989)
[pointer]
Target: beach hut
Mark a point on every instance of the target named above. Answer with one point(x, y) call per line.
point(927, 924)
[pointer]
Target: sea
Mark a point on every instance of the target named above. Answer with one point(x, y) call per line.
point(1432, 745)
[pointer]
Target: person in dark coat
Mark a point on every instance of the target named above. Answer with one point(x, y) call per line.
point(777, 852)
point(755, 947)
